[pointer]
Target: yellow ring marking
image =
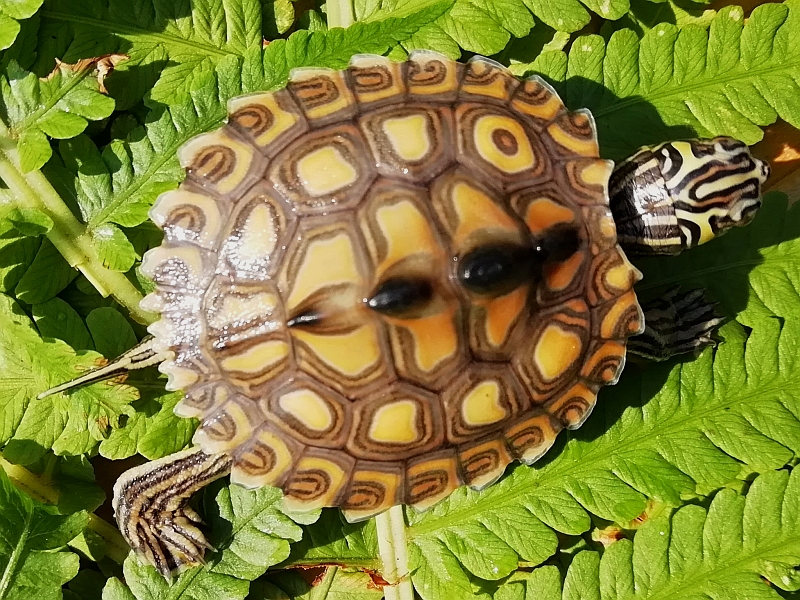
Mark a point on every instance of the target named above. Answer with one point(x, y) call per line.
point(395, 423)
point(309, 408)
point(556, 350)
point(258, 358)
point(409, 136)
point(543, 213)
point(521, 160)
point(331, 349)
point(481, 405)
point(325, 171)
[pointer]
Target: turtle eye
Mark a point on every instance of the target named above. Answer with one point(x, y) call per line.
point(558, 243)
point(495, 269)
point(400, 296)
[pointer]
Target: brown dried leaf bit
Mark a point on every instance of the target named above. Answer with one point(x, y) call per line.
point(103, 66)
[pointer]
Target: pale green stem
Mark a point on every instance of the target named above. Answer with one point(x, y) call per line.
point(117, 549)
point(393, 549)
point(40, 488)
point(68, 235)
point(340, 13)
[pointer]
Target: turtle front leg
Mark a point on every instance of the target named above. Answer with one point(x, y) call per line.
point(150, 505)
point(676, 323)
point(668, 198)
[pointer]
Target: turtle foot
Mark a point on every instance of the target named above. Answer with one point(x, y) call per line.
point(676, 323)
point(150, 505)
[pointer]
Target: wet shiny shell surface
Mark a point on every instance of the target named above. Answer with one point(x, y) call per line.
point(309, 283)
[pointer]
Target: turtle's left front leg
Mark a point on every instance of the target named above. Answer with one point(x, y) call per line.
point(676, 323)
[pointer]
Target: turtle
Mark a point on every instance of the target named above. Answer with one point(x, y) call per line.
point(381, 283)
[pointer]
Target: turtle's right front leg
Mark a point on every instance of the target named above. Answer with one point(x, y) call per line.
point(676, 323)
point(150, 505)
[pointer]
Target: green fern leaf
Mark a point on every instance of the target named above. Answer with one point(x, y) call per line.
point(174, 49)
point(730, 78)
point(72, 424)
point(58, 106)
point(11, 12)
point(722, 552)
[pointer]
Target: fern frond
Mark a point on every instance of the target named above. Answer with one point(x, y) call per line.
point(730, 78)
point(725, 551)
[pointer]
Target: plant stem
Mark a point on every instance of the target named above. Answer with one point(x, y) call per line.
point(38, 487)
point(340, 13)
point(393, 548)
point(117, 549)
point(68, 235)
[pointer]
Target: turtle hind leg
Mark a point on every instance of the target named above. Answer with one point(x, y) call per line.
point(150, 505)
point(676, 323)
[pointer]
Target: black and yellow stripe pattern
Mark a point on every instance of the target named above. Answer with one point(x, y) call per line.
point(677, 195)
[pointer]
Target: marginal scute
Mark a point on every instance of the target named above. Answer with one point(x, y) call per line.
point(573, 407)
point(266, 458)
point(322, 94)
point(228, 426)
point(374, 487)
point(488, 80)
point(483, 462)
point(269, 120)
point(575, 134)
point(202, 400)
point(188, 216)
point(377, 81)
point(534, 98)
point(531, 436)
point(221, 161)
point(185, 267)
point(319, 479)
point(433, 77)
point(431, 477)
point(604, 362)
point(587, 180)
point(620, 318)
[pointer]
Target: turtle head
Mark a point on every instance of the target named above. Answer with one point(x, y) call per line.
point(671, 197)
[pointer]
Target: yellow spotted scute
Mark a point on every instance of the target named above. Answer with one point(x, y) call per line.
point(312, 201)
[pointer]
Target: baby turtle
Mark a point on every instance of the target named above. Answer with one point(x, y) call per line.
point(379, 284)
